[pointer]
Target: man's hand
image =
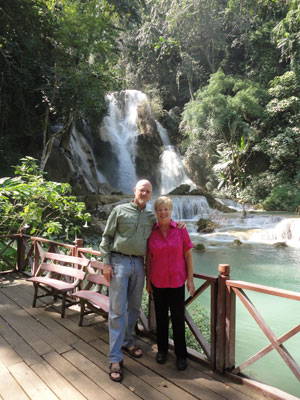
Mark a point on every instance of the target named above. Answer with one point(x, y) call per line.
point(108, 272)
point(181, 224)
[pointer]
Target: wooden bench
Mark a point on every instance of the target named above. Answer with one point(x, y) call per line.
point(92, 299)
point(57, 276)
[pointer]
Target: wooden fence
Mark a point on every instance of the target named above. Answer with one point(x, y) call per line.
point(219, 351)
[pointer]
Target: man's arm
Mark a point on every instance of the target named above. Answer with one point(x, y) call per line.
point(107, 242)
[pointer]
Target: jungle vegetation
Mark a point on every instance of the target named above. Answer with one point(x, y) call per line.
point(228, 69)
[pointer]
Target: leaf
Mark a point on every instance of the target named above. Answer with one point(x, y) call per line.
point(164, 384)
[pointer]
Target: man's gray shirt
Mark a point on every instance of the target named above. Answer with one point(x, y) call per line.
point(127, 231)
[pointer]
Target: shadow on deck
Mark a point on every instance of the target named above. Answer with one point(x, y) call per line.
point(43, 356)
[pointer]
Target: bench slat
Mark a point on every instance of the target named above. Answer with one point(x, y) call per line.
point(69, 259)
point(96, 299)
point(60, 269)
point(98, 279)
point(54, 283)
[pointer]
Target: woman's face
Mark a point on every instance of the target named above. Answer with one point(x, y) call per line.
point(163, 213)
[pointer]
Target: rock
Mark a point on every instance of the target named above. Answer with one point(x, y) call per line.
point(237, 243)
point(97, 203)
point(199, 247)
point(181, 190)
point(280, 245)
point(197, 192)
point(206, 225)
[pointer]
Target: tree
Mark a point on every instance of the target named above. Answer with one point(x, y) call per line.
point(287, 34)
point(177, 46)
point(250, 47)
point(82, 51)
point(56, 62)
point(224, 119)
point(25, 63)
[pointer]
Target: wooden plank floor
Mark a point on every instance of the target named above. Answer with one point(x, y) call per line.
point(43, 356)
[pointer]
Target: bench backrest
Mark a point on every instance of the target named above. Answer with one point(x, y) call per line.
point(95, 274)
point(63, 270)
point(58, 266)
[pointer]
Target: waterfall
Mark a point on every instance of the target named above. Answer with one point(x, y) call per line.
point(120, 128)
point(171, 165)
point(287, 230)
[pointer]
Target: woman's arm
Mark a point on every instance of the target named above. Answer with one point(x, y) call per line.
point(189, 262)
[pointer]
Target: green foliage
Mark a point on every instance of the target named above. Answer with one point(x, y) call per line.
point(43, 208)
point(10, 255)
point(56, 63)
point(59, 58)
point(287, 33)
point(283, 198)
point(201, 318)
point(82, 55)
point(221, 120)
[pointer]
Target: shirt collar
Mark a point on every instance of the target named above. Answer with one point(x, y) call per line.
point(135, 206)
point(172, 224)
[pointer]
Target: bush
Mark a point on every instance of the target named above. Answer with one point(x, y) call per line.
point(283, 198)
point(44, 208)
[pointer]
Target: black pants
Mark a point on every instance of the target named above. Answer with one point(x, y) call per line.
point(173, 298)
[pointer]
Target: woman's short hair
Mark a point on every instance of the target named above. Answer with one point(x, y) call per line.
point(163, 200)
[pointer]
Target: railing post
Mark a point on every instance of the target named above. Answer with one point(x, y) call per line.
point(230, 328)
point(20, 252)
point(224, 271)
point(36, 257)
point(78, 243)
point(151, 314)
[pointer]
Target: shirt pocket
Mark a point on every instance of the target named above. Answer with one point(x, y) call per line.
point(127, 228)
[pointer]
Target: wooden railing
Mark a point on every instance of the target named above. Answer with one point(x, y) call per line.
point(220, 352)
point(30, 251)
point(236, 290)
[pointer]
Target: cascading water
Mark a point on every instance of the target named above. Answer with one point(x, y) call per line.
point(120, 128)
point(171, 166)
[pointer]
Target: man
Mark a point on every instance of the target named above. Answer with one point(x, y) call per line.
point(123, 246)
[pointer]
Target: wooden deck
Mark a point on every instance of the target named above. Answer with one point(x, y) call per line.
point(45, 357)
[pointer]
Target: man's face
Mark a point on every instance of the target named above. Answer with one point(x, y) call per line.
point(142, 191)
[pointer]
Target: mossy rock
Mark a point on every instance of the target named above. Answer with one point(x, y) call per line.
point(237, 243)
point(181, 190)
point(206, 225)
point(199, 247)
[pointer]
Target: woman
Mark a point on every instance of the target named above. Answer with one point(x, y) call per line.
point(169, 265)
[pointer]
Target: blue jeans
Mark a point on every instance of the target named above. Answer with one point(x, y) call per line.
point(125, 297)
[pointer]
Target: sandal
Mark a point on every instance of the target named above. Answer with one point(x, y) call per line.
point(134, 351)
point(116, 370)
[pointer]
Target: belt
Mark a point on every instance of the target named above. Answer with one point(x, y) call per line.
point(115, 253)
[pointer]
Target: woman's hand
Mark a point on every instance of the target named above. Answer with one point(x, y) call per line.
point(148, 286)
point(108, 272)
point(191, 287)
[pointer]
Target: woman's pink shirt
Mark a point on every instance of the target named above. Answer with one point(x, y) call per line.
point(167, 256)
